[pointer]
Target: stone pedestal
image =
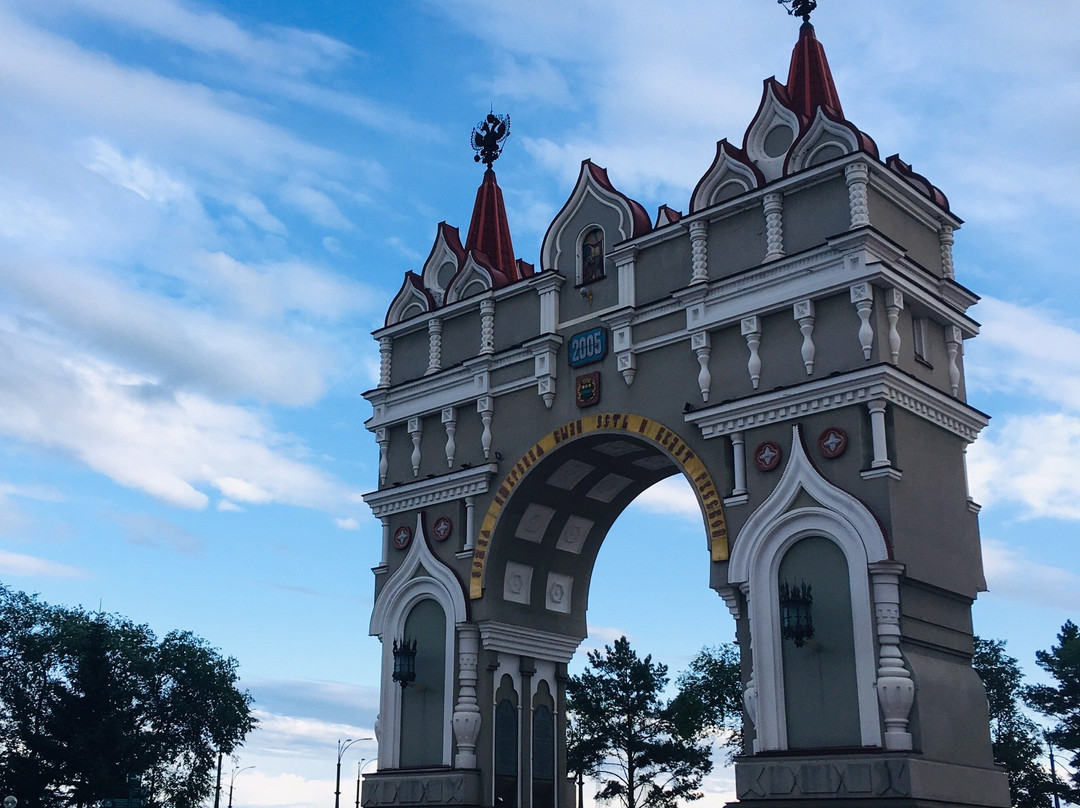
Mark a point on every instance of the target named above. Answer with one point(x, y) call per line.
point(903, 780)
point(430, 788)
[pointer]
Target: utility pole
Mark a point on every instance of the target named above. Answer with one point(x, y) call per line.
point(1053, 772)
point(217, 791)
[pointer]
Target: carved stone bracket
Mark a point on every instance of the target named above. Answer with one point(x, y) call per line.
point(894, 302)
point(701, 344)
point(751, 330)
point(449, 420)
point(545, 367)
point(862, 295)
point(804, 316)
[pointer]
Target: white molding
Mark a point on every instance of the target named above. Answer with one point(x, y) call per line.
point(421, 576)
point(470, 274)
point(822, 395)
point(771, 113)
point(455, 485)
point(587, 185)
point(523, 641)
point(754, 566)
point(821, 133)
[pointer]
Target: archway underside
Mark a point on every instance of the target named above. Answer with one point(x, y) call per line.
point(543, 531)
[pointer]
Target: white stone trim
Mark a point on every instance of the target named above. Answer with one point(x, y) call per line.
point(754, 564)
point(772, 112)
point(404, 589)
point(878, 382)
point(587, 185)
point(522, 641)
point(422, 493)
point(821, 134)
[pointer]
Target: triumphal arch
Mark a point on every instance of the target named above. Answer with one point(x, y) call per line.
point(792, 345)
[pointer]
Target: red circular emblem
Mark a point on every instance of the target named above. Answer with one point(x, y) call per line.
point(832, 442)
point(442, 528)
point(767, 455)
point(402, 537)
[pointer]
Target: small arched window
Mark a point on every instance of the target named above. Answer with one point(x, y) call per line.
point(592, 256)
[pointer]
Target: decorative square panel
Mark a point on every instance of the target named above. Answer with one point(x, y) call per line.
point(517, 583)
point(534, 522)
point(570, 474)
point(574, 533)
point(653, 462)
point(609, 487)
point(618, 448)
point(559, 587)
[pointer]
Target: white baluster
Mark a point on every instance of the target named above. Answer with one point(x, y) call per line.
point(774, 226)
point(382, 437)
point(804, 315)
point(434, 345)
point(484, 407)
point(862, 295)
point(699, 250)
point(386, 350)
point(751, 329)
point(894, 301)
point(701, 344)
point(416, 430)
point(954, 340)
point(449, 420)
point(857, 175)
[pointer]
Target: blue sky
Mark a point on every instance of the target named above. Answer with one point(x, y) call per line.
point(206, 207)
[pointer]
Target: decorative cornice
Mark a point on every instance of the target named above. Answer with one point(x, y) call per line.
point(419, 494)
point(527, 641)
point(877, 382)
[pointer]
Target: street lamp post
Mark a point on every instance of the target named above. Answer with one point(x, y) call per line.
point(232, 780)
point(341, 747)
point(360, 768)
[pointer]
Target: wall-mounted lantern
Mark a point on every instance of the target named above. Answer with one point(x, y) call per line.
point(796, 620)
point(404, 662)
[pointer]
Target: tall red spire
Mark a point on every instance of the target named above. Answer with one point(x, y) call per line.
point(489, 231)
point(810, 82)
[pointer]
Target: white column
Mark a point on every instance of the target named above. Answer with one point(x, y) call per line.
point(699, 251)
point(702, 347)
point(386, 350)
point(434, 345)
point(487, 325)
point(895, 689)
point(416, 430)
point(738, 450)
point(751, 329)
point(385, 540)
point(804, 316)
point(857, 175)
point(945, 240)
point(466, 721)
point(877, 429)
point(449, 420)
point(470, 523)
point(774, 226)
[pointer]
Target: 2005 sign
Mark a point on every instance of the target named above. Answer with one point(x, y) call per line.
point(588, 347)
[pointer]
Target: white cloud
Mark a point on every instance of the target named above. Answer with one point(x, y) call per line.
point(128, 427)
point(1011, 575)
point(317, 205)
point(25, 566)
point(134, 173)
point(1030, 461)
point(672, 496)
point(348, 523)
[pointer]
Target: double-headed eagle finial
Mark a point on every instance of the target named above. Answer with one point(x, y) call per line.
point(487, 138)
point(799, 8)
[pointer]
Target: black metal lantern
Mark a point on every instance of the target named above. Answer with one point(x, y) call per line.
point(796, 620)
point(404, 661)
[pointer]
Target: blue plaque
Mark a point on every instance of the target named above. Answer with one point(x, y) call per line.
point(587, 347)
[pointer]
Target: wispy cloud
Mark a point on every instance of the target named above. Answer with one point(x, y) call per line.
point(1011, 575)
point(25, 566)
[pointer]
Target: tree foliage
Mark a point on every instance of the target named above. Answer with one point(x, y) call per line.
point(89, 700)
point(1062, 702)
point(1015, 738)
point(709, 701)
point(623, 733)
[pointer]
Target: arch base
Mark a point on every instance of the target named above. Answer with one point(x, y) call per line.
point(868, 779)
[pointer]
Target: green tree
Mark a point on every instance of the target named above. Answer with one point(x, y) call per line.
point(625, 735)
point(88, 700)
point(1062, 702)
point(1015, 738)
point(709, 701)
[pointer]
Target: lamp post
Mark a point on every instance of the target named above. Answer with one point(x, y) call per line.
point(232, 780)
point(341, 747)
point(360, 768)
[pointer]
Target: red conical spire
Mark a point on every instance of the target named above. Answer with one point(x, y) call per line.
point(810, 83)
point(489, 231)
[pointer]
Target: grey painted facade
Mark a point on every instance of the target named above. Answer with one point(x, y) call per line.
point(817, 295)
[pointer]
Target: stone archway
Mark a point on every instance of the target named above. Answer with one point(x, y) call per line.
point(793, 346)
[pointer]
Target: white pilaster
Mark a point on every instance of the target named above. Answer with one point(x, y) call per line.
point(877, 430)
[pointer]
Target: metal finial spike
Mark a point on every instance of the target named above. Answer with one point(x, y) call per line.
point(488, 136)
point(799, 8)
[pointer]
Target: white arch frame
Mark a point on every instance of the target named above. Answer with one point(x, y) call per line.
point(755, 561)
point(421, 577)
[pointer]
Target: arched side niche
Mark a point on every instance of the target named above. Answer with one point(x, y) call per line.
point(423, 701)
point(421, 577)
point(506, 747)
point(543, 748)
point(591, 255)
point(770, 532)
